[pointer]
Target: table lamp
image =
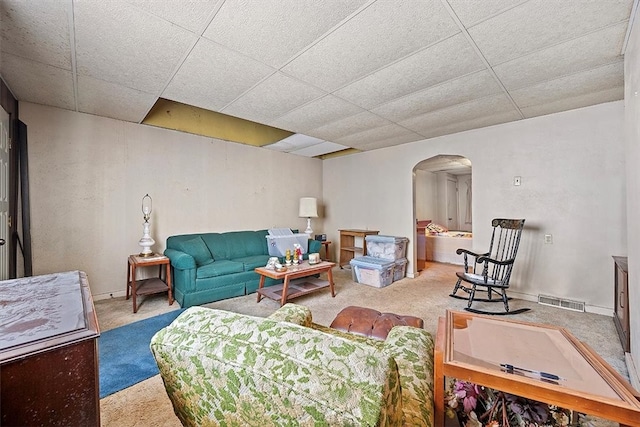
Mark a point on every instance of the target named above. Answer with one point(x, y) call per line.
point(146, 241)
point(308, 209)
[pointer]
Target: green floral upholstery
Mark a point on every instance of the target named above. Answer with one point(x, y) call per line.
point(412, 350)
point(228, 369)
point(292, 313)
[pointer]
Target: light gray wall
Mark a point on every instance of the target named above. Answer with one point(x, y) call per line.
point(426, 200)
point(572, 166)
point(430, 197)
point(463, 184)
point(88, 175)
point(632, 134)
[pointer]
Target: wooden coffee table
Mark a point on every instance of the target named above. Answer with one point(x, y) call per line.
point(472, 347)
point(292, 288)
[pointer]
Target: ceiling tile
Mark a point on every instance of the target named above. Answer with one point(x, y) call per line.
point(273, 31)
point(594, 80)
point(193, 15)
point(476, 123)
point(319, 149)
point(537, 24)
point(443, 61)
point(458, 91)
point(369, 73)
point(593, 50)
point(564, 104)
point(294, 142)
point(349, 125)
point(475, 109)
point(213, 76)
point(470, 12)
point(382, 136)
point(381, 34)
point(272, 98)
point(43, 84)
point(136, 49)
point(38, 31)
point(316, 114)
point(110, 100)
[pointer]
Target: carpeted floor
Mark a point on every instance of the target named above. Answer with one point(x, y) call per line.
point(146, 403)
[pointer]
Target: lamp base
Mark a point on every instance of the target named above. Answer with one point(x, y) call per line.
point(308, 231)
point(146, 241)
point(147, 254)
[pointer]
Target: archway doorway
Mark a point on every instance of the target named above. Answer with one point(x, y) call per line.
point(442, 197)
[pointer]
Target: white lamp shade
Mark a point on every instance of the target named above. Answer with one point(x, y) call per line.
point(308, 207)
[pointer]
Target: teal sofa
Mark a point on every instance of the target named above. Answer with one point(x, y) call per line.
point(208, 267)
point(226, 369)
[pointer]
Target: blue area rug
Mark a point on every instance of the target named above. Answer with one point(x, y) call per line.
point(125, 358)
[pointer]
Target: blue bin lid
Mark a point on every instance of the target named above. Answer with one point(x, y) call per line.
point(372, 262)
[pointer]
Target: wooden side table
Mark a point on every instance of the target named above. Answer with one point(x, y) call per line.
point(152, 285)
point(325, 244)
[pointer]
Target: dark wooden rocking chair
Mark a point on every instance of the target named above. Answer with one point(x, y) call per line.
point(491, 271)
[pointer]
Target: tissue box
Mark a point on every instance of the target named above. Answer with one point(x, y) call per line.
point(314, 258)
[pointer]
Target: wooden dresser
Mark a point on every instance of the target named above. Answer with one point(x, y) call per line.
point(48, 352)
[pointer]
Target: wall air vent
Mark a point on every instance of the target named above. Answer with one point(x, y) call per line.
point(561, 303)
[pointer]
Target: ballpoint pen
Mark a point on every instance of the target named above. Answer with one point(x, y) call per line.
point(544, 375)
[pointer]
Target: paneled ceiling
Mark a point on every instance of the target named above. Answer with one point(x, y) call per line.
point(361, 74)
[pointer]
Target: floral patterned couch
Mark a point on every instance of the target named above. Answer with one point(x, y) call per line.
point(224, 368)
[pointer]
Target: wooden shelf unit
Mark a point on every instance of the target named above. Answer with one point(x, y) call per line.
point(348, 248)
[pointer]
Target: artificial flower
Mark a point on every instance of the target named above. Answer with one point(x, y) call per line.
point(477, 406)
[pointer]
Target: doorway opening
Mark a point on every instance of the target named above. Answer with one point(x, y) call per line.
point(442, 200)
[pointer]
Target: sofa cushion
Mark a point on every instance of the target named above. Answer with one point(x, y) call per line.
point(197, 249)
point(246, 243)
point(217, 244)
point(253, 262)
point(219, 268)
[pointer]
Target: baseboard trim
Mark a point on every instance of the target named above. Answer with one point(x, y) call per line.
point(587, 308)
point(109, 295)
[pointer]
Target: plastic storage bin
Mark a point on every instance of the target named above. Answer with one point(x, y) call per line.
point(372, 271)
point(281, 239)
point(400, 269)
point(386, 247)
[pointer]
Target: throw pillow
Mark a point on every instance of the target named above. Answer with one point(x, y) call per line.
point(436, 228)
point(197, 249)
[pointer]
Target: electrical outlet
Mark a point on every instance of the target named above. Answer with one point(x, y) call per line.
point(516, 180)
point(548, 239)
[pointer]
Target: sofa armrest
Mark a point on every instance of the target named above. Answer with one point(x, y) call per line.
point(412, 348)
point(293, 313)
point(180, 260)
